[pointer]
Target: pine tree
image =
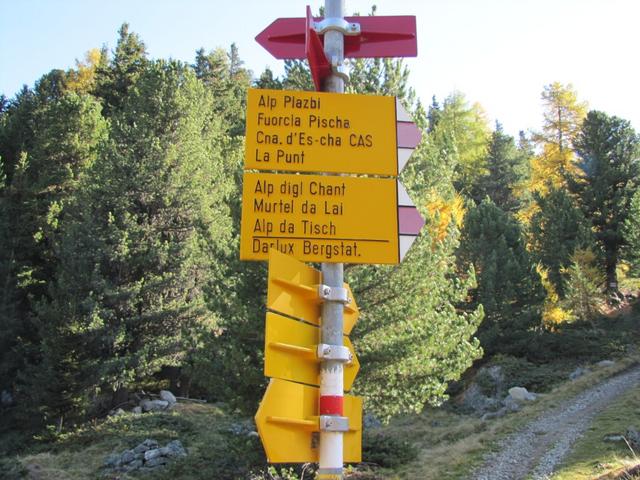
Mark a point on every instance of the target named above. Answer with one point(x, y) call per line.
point(115, 78)
point(503, 172)
point(608, 173)
point(631, 235)
point(557, 230)
point(410, 338)
point(509, 288)
point(228, 80)
point(66, 132)
point(150, 221)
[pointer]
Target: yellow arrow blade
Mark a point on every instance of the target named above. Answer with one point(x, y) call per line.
point(287, 422)
point(290, 352)
point(292, 290)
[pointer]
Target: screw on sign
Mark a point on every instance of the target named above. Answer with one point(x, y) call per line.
point(296, 422)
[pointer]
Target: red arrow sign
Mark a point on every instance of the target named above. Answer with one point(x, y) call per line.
point(387, 36)
point(314, 51)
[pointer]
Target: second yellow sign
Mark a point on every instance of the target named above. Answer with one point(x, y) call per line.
point(317, 218)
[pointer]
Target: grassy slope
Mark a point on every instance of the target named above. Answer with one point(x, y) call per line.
point(448, 444)
point(592, 457)
point(214, 452)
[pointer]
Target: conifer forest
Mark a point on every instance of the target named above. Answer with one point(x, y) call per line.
point(120, 205)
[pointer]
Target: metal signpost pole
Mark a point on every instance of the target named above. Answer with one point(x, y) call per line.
point(331, 371)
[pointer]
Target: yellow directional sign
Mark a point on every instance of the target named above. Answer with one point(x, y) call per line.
point(318, 218)
point(321, 132)
point(293, 290)
point(290, 352)
point(288, 423)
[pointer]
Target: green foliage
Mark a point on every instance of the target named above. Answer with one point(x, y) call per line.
point(12, 469)
point(631, 235)
point(387, 450)
point(115, 77)
point(140, 249)
point(410, 338)
point(503, 172)
point(607, 177)
point(509, 288)
point(583, 286)
point(223, 74)
point(557, 229)
point(466, 126)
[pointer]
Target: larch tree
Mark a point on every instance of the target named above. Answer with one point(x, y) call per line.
point(563, 114)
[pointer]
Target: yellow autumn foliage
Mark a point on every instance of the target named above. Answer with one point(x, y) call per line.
point(81, 79)
point(552, 314)
point(442, 213)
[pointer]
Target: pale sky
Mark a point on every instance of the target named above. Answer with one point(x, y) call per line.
point(499, 53)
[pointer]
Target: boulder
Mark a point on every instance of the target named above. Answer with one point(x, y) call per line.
point(147, 456)
point(151, 454)
point(154, 405)
point(511, 404)
point(176, 449)
point(167, 396)
point(136, 410)
point(112, 460)
point(633, 437)
point(135, 465)
point(478, 402)
point(127, 456)
point(156, 462)
point(521, 394)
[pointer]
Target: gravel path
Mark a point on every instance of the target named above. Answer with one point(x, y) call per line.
point(541, 445)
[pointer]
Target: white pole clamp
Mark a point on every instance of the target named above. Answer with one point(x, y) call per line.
point(337, 24)
point(334, 294)
point(332, 423)
point(334, 352)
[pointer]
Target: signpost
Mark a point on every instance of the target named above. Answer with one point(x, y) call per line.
point(321, 132)
point(319, 218)
point(323, 218)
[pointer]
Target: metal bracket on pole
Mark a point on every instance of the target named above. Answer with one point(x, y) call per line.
point(333, 294)
point(337, 24)
point(334, 352)
point(339, 69)
point(331, 423)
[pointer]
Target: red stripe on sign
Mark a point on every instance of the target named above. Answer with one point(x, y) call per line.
point(410, 221)
point(331, 404)
point(409, 134)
